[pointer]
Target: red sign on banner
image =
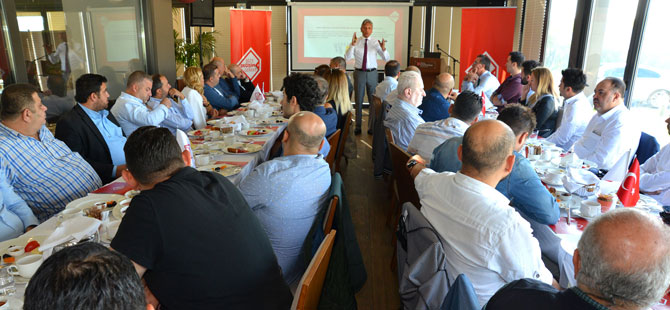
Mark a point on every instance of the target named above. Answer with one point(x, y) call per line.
point(251, 44)
point(488, 31)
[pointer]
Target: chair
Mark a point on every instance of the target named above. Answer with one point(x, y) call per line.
point(330, 215)
point(380, 153)
point(275, 147)
point(389, 135)
point(343, 141)
point(647, 148)
point(309, 289)
point(334, 141)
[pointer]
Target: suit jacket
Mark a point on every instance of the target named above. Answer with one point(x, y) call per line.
point(77, 130)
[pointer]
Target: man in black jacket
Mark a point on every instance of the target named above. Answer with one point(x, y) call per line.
point(246, 86)
point(92, 131)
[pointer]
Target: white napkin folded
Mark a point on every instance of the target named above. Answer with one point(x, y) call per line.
point(74, 228)
point(575, 180)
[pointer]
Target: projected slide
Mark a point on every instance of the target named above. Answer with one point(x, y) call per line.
point(321, 32)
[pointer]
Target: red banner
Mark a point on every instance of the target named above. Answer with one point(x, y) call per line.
point(251, 44)
point(488, 31)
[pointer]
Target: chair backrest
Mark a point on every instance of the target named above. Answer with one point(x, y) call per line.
point(343, 140)
point(404, 183)
point(310, 286)
point(275, 147)
point(377, 104)
point(559, 117)
point(647, 148)
point(389, 135)
point(333, 140)
point(330, 215)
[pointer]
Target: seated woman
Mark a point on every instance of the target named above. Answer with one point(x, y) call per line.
point(194, 92)
point(338, 95)
point(544, 101)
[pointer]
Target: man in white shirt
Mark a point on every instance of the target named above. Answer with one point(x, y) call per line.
point(612, 132)
point(480, 79)
point(130, 109)
point(577, 109)
point(365, 50)
point(655, 175)
point(403, 117)
point(180, 115)
point(486, 239)
point(390, 82)
point(463, 113)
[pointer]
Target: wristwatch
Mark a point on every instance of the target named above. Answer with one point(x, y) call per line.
point(411, 163)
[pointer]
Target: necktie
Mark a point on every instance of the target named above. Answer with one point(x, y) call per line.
point(365, 56)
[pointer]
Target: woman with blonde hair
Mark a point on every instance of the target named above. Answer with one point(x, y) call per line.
point(544, 101)
point(338, 94)
point(194, 92)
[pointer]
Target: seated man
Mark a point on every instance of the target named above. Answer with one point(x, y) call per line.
point(390, 82)
point(435, 105)
point(577, 109)
point(655, 175)
point(90, 130)
point(130, 108)
point(16, 217)
point(58, 103)
point(522, 187)
point(479, 79)
point(404, 116)
point(622, 262)
point(85, 276)
point(527, 71)
point(44, 172)
point(486, 239)
point(464, 112)
point(510, 90)
point(216, 96)
point(180, 115)
point(288, 212)
point(191, 234)
point(227, 80)
point(341, 64)
point(612, 132)
point(301, 93)
point(246, 86)
point(328, 115)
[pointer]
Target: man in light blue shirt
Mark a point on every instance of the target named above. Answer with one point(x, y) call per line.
point(130, 108)
point(15, 215)
point(90, 130)
point(479, 79)
point(216, 95)
point(180, 115)
point(287, 193)
point(44, 172)
point(404, 116)
point(390, 82)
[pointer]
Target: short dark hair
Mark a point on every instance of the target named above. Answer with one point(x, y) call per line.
point(341, 63)
point(137, 77)
point(85, 276)
point(529, 65)
point(86, 85)
point(617, 85)
point(489, 155)
point(321, 70)
point(392, 68)
point(305, 89)
point(518, 117)
point(56, 84)
point(485, 60)
point(517, 57)
point(156, 84)
point(152, 153)
point(208, 71)
point(16, 98)
point(574, 78)
point(467, 106)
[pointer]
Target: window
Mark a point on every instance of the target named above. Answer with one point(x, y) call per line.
point(559, 36)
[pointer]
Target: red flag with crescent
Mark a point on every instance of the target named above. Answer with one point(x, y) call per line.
point(483, 104)
point(629, 192)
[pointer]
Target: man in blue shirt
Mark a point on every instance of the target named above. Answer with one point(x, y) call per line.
point(523, 187)
point(90, 130)
point(328, 115)
point(130, 108)
point(287, 210)
point(216, 95)
point(180, 115)
point(15, 215)
point(436, 104)
point(404, 116)
point(228, 81)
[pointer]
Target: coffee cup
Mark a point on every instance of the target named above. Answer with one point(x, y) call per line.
point(26, 266)
point(590, 208)
point(201, 160)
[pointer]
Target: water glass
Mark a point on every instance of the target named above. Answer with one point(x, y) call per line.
point(7, 287)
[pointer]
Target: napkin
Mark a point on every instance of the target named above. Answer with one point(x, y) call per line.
point(571, 160)
point(257, 95)
point(237, 119)
point(75, 228)
point(255, 105)
point(575, 180)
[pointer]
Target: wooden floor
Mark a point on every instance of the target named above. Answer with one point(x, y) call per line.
point(368, 200)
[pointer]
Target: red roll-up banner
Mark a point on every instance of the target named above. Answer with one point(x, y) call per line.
point(251, 44)
point(488, 31)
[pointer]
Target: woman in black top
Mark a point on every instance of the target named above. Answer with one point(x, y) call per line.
point(544, 101)
point(338, 95)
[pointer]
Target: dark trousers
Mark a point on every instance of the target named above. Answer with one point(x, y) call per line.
point(364, 80)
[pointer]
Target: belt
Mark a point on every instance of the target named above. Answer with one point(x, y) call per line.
point(368, 70)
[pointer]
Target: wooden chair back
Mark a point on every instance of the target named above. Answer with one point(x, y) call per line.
point(330, 215)
point(389, 135)
point(275, 147)
point(377, 104)
point(343, 140)
point(404, 183)
point(333, 140)
point(309, 290)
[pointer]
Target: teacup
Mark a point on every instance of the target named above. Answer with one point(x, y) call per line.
point(201, 160)
point(26, 266)
point(590, 208)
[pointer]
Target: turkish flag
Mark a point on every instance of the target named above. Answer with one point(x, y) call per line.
point(629, 192)
point(483, 104)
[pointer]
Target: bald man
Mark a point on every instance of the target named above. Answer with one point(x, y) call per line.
point(246, 86)
point(489, 241)
point(227, 81)
point(622, 262)
point(286, 192)
point(436, 104)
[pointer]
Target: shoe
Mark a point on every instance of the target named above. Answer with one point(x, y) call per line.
point(357, 131)
point(370, 131)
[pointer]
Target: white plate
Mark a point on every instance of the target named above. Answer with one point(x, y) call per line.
point(546, 181)
point(92, 199)
point(578, 212)
point(131, 193)
point(120, 209)
point(245, 133)
point(648, 203)
point(226, 172)
point(252, 148)
point(202, 133)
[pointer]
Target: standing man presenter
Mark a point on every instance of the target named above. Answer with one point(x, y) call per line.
point(365, 50)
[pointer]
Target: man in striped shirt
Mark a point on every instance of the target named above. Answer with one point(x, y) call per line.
point(43, 170)
point(404, 116)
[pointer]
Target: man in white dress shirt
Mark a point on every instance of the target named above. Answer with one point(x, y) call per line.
point(655, 175)
point(577, 109)
point(486, 239)
point(404, 116)
point(130, 109)
point(480, 79)
point(365, 50)
point(390, 82)
point(612, 132)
